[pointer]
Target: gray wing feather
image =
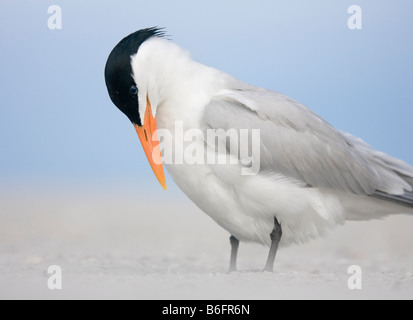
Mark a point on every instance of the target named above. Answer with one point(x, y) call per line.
point(300, 145)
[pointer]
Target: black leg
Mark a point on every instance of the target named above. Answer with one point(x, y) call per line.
point(234, 251)
point(275, 235)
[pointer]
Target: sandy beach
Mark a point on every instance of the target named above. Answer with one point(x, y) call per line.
point(114, 245)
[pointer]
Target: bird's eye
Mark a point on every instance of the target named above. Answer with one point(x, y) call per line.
point(133, 90)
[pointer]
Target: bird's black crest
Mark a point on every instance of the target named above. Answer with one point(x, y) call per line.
point(118, 72)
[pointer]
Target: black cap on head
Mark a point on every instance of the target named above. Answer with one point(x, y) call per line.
point(118, 72)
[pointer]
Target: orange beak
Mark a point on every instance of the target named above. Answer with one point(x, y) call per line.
point(149, 140)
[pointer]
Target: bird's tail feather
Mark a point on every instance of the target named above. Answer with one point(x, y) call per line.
point(396, 168)
point(381, 203)
point(405, 172)
point(368, 208)
point(405, 199)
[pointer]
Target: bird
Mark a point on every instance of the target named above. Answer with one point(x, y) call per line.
point(304, 178)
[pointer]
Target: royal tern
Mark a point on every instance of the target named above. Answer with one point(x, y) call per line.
point(310, 178)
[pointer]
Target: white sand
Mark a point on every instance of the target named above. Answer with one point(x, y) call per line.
point(135, 246)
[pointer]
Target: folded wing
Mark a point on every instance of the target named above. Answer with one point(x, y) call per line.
point(298, 144)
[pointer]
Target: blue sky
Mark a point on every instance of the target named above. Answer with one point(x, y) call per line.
point(59, 128)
